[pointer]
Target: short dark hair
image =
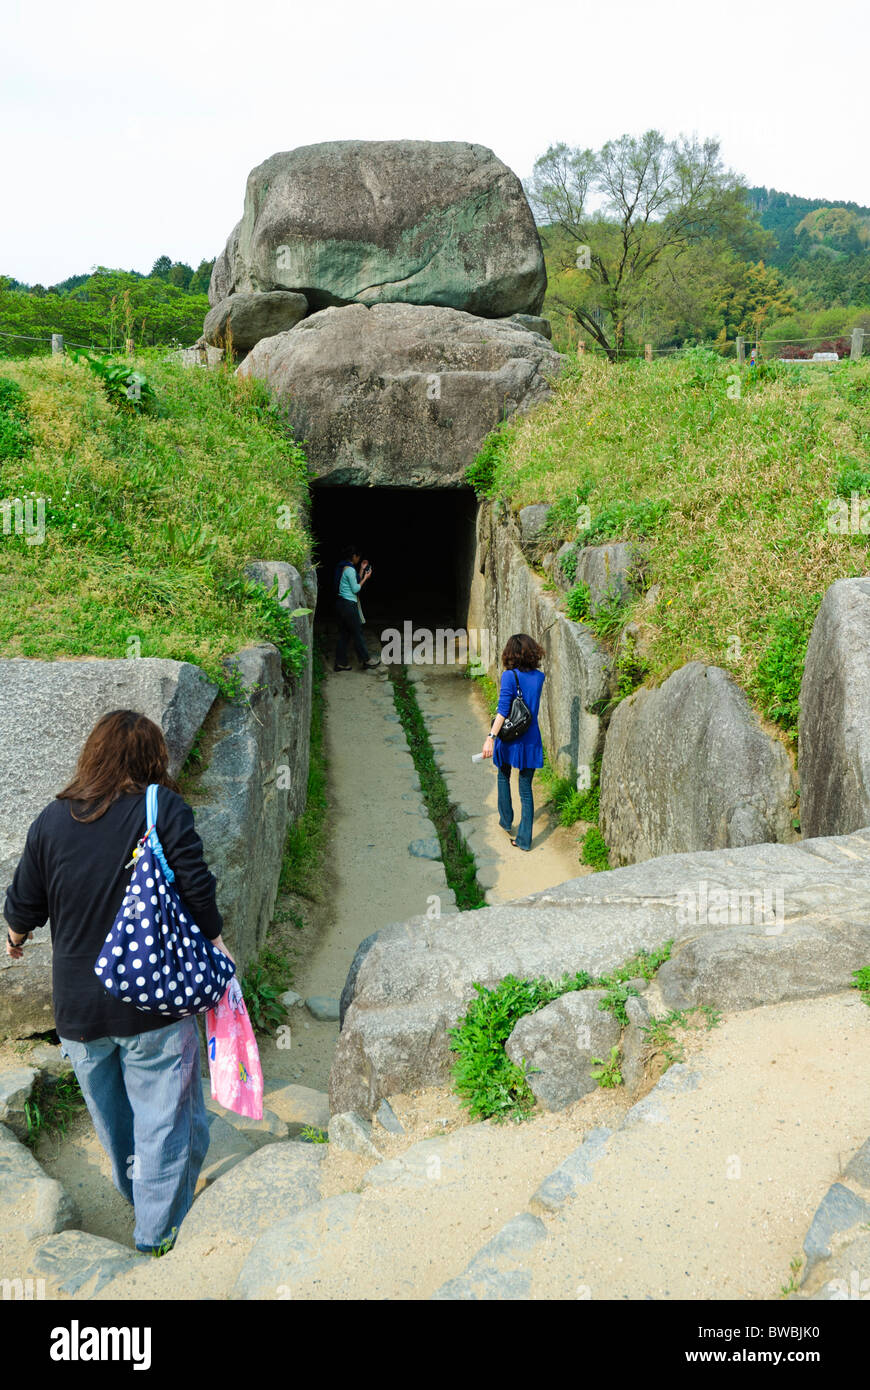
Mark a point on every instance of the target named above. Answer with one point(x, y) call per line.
point(350, 550)
point(523, 652)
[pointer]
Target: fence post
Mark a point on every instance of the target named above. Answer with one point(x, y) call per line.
point(741, 349)
point(57, 342)
point(857, 343)
point(647, 351)
point(581, 346)
point(128, 346)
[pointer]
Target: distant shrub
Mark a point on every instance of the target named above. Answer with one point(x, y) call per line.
point(15, 433)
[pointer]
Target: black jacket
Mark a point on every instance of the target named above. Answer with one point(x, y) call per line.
point(73, 873)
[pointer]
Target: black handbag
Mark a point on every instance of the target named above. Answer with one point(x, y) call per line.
point(520, 719)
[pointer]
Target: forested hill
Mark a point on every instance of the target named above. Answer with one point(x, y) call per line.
point(105, 307)
point(788, 217)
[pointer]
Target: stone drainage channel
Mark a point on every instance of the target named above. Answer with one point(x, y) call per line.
point(384, 858)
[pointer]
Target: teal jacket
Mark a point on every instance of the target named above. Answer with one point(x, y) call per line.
point(350, 585)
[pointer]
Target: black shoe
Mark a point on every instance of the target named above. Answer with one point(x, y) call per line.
point(341, 668)
point(371, 665)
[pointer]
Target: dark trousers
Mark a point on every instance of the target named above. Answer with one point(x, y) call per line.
point(349, 630)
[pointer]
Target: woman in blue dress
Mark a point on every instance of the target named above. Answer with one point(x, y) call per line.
point(521, 659)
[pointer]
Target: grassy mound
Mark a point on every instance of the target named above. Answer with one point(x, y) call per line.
point(724, 478)
point(150, 514)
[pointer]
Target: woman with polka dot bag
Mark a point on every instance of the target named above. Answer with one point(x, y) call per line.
point(157, 932)
point(155, 957)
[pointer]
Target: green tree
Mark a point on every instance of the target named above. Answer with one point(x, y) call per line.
point(180, 274)
point(616, 215)
point(752, 301)
point(201, 277)
point(161, 268)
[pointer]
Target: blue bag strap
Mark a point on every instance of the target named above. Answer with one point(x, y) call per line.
point(151, 825)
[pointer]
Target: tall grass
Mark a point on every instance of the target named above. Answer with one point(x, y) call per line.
point(150, 517)
point(726, 493)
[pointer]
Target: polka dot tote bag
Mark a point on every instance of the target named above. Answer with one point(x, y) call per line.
point(155, 957)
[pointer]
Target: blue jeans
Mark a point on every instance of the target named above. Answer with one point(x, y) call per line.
point(523, 836)
point(144, 1094)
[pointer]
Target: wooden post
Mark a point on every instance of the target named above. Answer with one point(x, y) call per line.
point(56, 342)
point(741, 349)
point(647, 351)
point(128, 347)
point(581, 347)
point(857, 343)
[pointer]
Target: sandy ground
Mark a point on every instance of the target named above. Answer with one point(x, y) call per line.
point(714, 1203)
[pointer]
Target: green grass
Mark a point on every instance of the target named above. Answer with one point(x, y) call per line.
point(792, 1285)
point(150, 515)
point(487, 1082)
point(594, 850)
point(862, 983)
point(51, 1106)
point(726, 498)
point(306, 840)
point(606, 1072)
point(459, 866)
point(577, 600)
point(16, 437)
point(571, 804)
point(661, 1036)
point(265, 980)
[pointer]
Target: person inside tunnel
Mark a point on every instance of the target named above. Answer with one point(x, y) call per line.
point(351, 574)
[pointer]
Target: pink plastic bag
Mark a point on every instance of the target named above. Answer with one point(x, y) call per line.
point(233, 1059)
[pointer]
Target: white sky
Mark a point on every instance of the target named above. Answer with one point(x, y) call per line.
point(130, 128)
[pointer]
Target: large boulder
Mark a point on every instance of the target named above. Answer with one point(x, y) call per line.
point(749, 926)
point(49, 708)
point(225, 271)
point(508, 597)
point(31, 1204)
point(606, 569)
point(250, 317)
point(388, 221)
point(401, 395)
point(688, 766)
point(275, 1181)
point(16, 1088)
point(256, 778)
point(834, 730)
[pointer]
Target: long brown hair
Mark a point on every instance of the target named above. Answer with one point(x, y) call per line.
point(522, 651)
point(123, 753)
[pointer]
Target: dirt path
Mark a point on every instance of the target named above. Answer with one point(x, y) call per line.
point(458, 721)
point(377, 812)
